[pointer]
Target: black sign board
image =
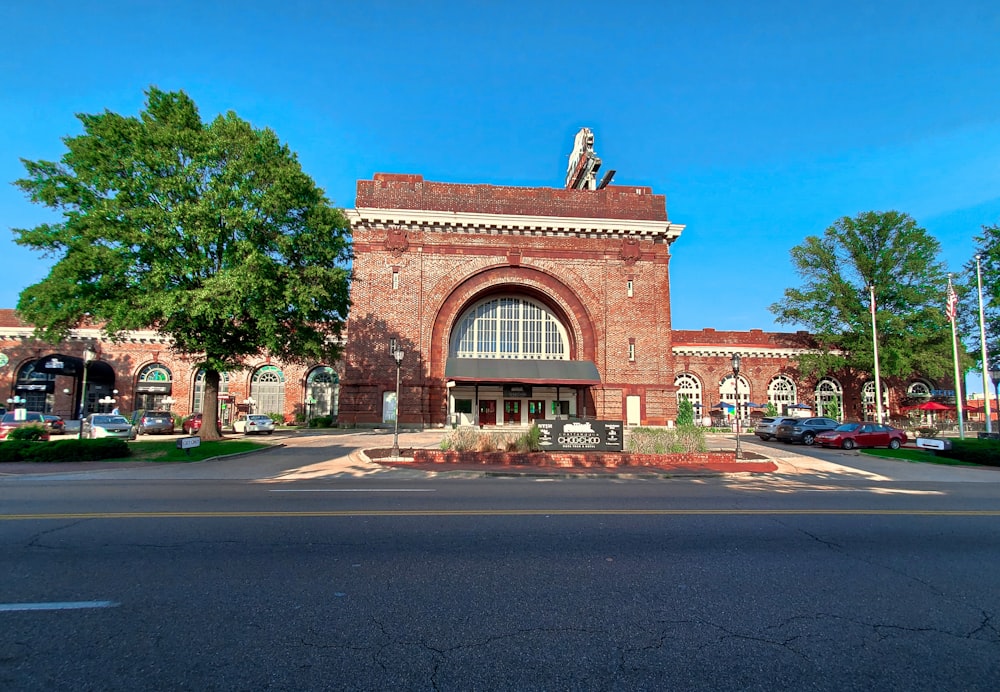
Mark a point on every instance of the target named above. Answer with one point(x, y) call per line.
point(580, 435)
point(59, 364)
point(154, 388)
point(48, 387)
point(516, 391)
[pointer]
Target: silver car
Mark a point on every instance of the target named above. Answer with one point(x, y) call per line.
point(254, 423)
point(98, 425)
point(768, 426)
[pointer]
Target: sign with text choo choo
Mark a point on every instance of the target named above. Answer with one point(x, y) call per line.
point(580, 435)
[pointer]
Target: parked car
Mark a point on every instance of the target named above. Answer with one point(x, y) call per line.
point(17, 419)
point(803, 430)
point(152, 422)
point(98, 425)
point(254, 423)
point(191, 425)
point(858, 434)
point(767, 426)
point(55, 424)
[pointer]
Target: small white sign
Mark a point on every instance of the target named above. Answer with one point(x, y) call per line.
point(933, 443)
point(188, 442)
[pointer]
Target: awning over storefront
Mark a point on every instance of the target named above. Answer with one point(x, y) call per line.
point(540, 372)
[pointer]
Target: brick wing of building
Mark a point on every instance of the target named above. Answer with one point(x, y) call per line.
point(508, 304)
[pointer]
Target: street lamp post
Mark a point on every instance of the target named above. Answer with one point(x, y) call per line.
point(89, 355)
point(982, 344)
point(398, 356)
point(15, 401)
point(736, 382)
point(249, 403)
point(168, 401)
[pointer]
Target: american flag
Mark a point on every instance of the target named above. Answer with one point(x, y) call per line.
point(951, 307)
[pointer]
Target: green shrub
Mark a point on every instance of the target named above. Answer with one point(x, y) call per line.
point(64, 450)
point(27, 432)
point(685, 412)
point(973, 451)
point(688, 438)
point(321, 422)
point(278, 418)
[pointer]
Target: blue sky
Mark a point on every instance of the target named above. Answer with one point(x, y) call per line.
point(761, 122)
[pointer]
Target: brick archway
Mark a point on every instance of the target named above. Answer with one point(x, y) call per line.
point(543, 287)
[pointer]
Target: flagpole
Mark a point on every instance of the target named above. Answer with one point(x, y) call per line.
point(952, 307)
point(982, 342)
point(878, 382)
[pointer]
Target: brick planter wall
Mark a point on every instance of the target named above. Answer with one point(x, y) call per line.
point(722, 461)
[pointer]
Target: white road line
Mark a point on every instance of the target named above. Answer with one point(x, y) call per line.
point(65, 605)
point(352, 490)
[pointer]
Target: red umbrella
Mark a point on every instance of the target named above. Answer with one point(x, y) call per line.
point(934, 406)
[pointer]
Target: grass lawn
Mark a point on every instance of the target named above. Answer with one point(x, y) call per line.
point(166, 450)
point(919, 456)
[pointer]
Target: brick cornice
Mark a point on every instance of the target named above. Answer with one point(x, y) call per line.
point(512, 224)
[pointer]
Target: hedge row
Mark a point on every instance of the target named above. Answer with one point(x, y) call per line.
point(973, 451)
point(63, 450)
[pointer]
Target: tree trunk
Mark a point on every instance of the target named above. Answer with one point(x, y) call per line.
point(210, 411)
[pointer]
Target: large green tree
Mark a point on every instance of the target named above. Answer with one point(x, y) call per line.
point(890, 251)
point(209, 233)
point(988, 249)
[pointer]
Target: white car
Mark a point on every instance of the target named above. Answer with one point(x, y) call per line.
point(98, 425)
point(254, 423)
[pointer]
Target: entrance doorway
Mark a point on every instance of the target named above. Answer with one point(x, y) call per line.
point(488, 412)
point(536, 410)
point(632, 410)
point(511, 412)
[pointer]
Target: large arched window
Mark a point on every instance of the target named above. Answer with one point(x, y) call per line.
point(36, 388)
point(153, 385)
point(781, 393)
point(688, 387)
point(510, 328)
point(919, 390)
point(321, 392)
point(869, 402)
point(267, 388)
point(829, 395)
point(198, 404)
point(728, 394)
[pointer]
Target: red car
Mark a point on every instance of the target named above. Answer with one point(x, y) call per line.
point(867, 434)
point(192, 424)
point(17, 419)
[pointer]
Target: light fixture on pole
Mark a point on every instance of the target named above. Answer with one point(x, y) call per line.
point(89, 355)
point(106, 400)
point(15, 401)
point(249, 403)
point(168, 401)
point(397, 354)
point(982, 343)
point(736, 383)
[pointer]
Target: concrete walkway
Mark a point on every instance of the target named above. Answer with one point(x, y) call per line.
point(331, 454)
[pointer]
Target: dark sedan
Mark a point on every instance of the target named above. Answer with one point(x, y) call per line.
point(851, 435)
point(155, 422)
point(804, 430)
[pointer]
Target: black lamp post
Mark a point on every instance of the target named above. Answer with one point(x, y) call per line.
point(736, 382)
point(398, 356)
point(89, 355)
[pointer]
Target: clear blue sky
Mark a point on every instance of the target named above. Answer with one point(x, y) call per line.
point(762, 122)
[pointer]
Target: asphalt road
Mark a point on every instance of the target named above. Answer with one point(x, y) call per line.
point(309, 569)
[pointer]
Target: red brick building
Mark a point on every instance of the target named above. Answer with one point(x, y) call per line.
point(507, 303)
point(514, 303)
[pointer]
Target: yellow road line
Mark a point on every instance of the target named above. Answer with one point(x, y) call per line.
point(509, 513)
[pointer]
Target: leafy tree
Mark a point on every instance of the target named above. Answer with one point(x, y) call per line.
point(887, 250)
point(685, 412)
point(208, 232)
point(770, 410)
point(988, 249)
